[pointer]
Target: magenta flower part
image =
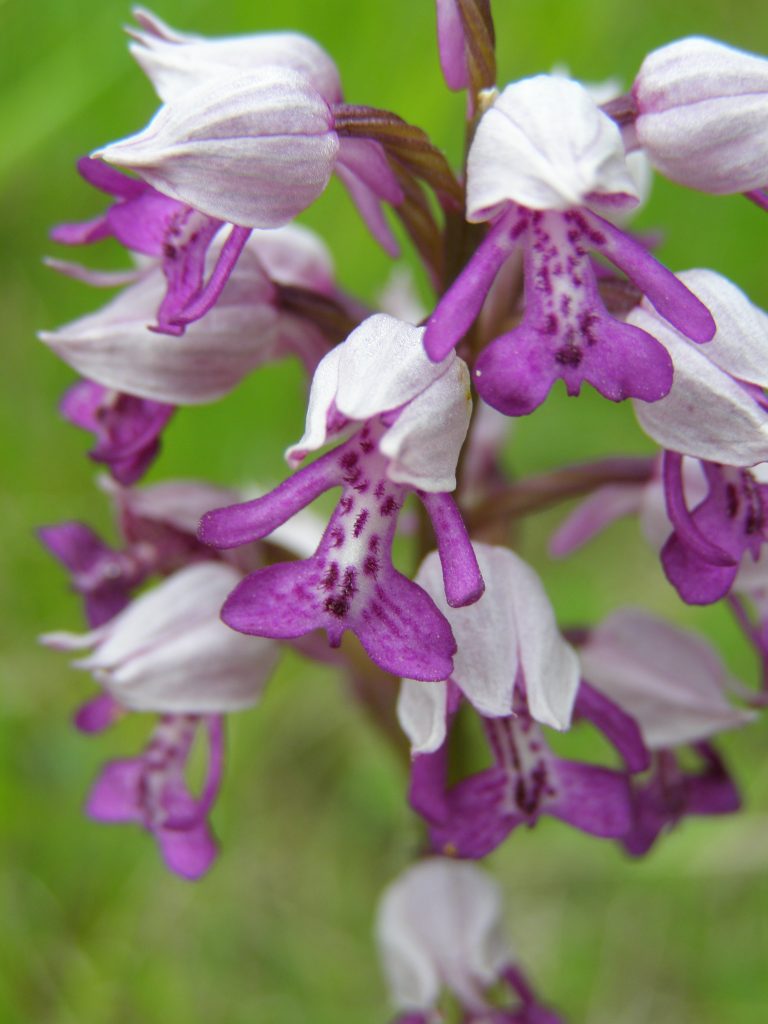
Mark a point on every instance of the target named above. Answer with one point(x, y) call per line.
point(152, 224)
point(151, 790)
point(350, 582)
point(127, 428)
point(566, 332)
point(451, 44)
point(673, 792)
point(105, 578)
point(439, 929)
point(701, 558)
point(473, 816)
point(414, 417)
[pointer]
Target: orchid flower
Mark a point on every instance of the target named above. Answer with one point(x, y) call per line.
point(408, 418)
point(674, 686)
point(543, 156)
point(117, 349)
point(439, 926)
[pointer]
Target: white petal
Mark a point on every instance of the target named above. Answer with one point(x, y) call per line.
point(175, 63)
point(251, 149)
point(294, 255)
point(322, 395)
point(421, 711)
point(670, 680)
point(545, 145)
point(177, 503)
point(511, 627)
point(439, 923)
point(115, 347)
point(740, 344)
point(702, 114)
point(168, 651)
point(706, 414)
point(424, 443)
point(383, 365)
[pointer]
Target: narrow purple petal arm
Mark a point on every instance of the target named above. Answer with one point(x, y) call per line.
point(461, 304)
point(619, 728)
point(461, 574)
point(239, 524)
point(666, 292)
point(593, 799)
point(209, 295)
point(680, 516)
point(97, 714)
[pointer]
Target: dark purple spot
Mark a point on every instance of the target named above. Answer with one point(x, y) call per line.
point(373, 543)
point(337, 537)
point(550, 324)
point(366, 445)
point(346, 504)
point(169, 251)
point(371, 566)
point(379, 492)
point(348, 459)
point(731, 500)
point(337, 606)
point(331, 577)
point(569, 355)
point(565, 304)
point(587, 324)
point(388, 506)
point(349, 587)
point(360, 522)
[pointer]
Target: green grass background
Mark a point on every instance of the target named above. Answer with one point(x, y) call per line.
point(312, 818)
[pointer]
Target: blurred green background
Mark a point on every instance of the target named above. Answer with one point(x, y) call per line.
point(312, 818)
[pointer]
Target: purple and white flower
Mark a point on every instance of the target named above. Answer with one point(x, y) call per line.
point(117, 348)
point(674, 685)
point(516, 670)
point(440, 927)
point(544, 155)
point(408, 418)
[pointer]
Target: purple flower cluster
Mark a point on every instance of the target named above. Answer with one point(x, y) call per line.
point(187, 614)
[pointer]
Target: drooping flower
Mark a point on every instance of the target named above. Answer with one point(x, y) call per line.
point(253, 148)
point(127, 429)
point(103, 576)
point(408, 419)
point(439, 927)
point(152, 224)
point(516, 670)
point(169, 653)
point(544, 155)
point(674, 685)
point(117, 349)
point(151, 790)
point(702, 115)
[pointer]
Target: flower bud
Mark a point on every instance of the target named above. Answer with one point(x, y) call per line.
point(176, 62)
point(703, 115)
point(254, 149)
